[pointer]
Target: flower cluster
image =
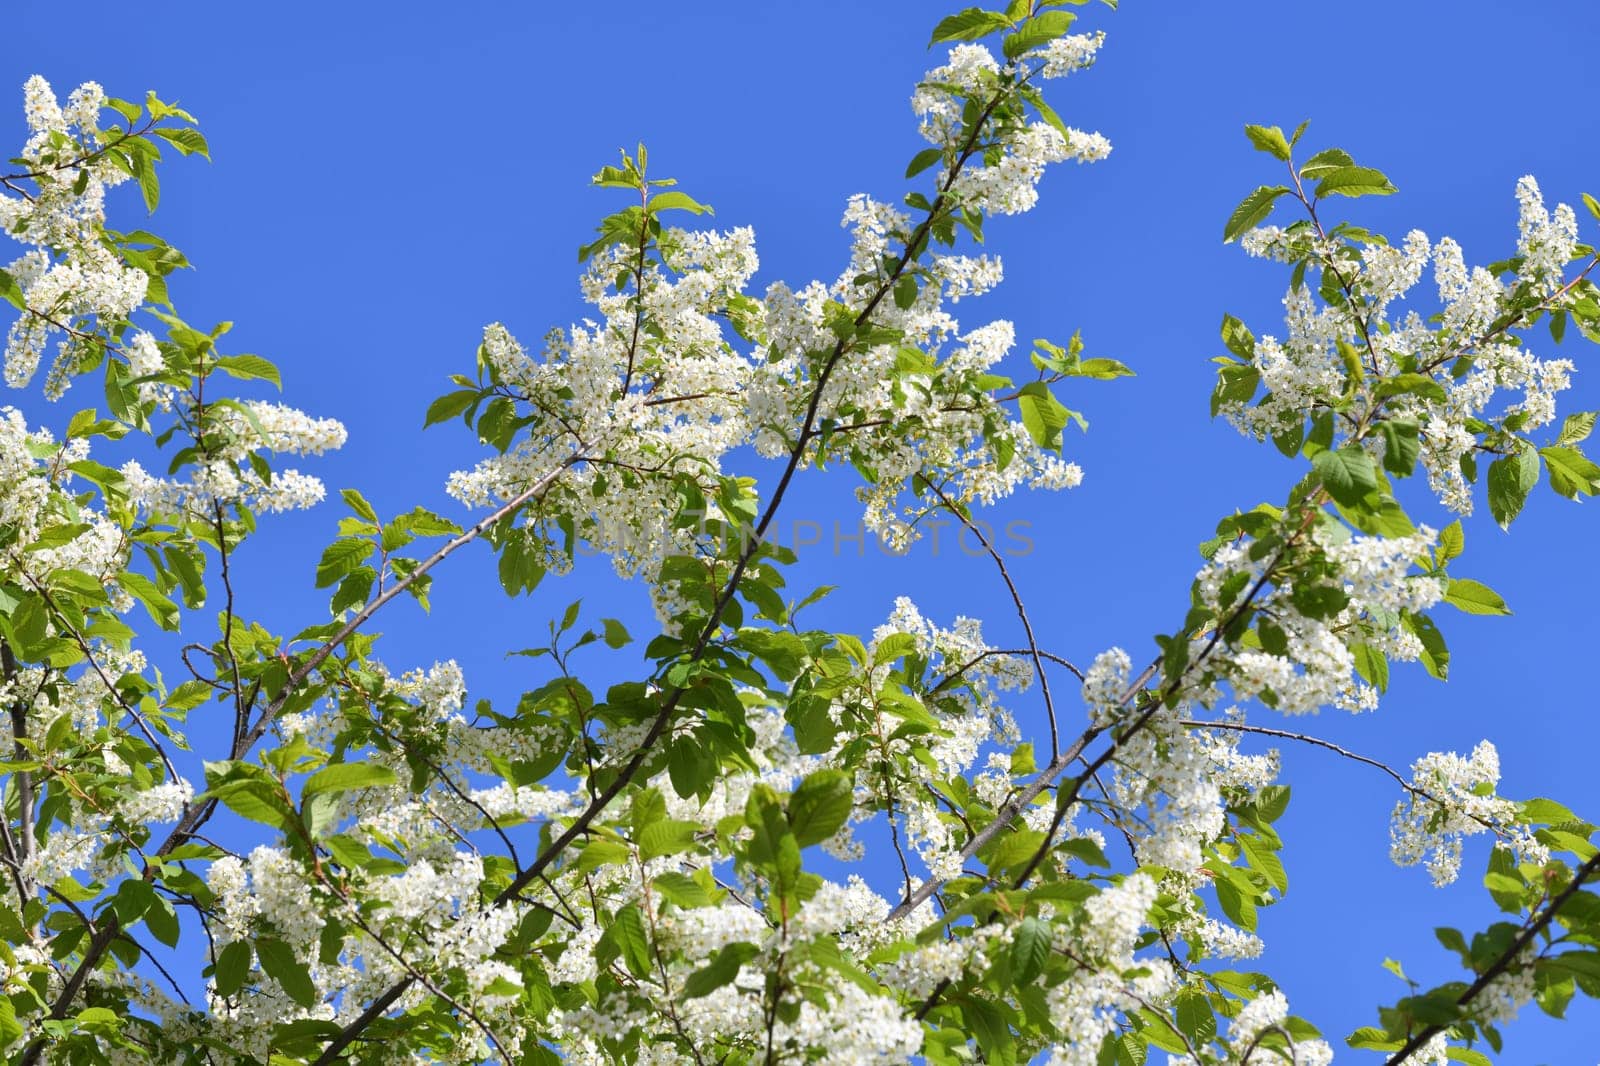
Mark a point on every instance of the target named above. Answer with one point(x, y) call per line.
point(1453, 799)
point(1313, 664)
point(672, 871)
point(73, 285)
point(1455, 367)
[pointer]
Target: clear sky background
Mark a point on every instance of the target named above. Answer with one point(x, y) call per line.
point(389, 178)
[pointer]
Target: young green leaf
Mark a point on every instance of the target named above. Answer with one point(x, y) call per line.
point(1252, 211)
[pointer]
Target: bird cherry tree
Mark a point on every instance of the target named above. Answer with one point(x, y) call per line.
point(368, 866)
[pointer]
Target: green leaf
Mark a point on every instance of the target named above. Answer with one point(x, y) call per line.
point(358, 503)
point(144, 169)
point(1039, 30)
point(1511, 478)
point(1572, 474)
point(11, 292)
point(186, 141)
point(1372, 665)
point(598, 853)
point(1452, 542)
point(628, 933)
point(424, 523)
point(616, 634)
point(450, 405)
point(250, 368)
point(1547, 811)
point(233, 966)
point(968, 25)
point(1409, 385)
point(1240, 909)
point(1043, 416)
point(1401, 446)
point(677, 201)
point(820, 806)
point(162, 610)
point(922, 161)
point(1353, 181)
point(1012, 849)
point(905, 292)
point(1348, 474)
point(1269, 139)
point(346, 777)
point(1272, 802)
point(340, 558)
point(990, 1028)
point(1265, 860)
point(1435, 655)
point(279, 963)
point(1326, 162)
point(1195, 1016)
point(666, 837)
point(1371, 1038)
point(1030, 949)
point(162, 921)
point(1576, 428)
point(682, 890)
point(1252, 210)
point(721, 970)
point(255, 800)
point(1474, 597)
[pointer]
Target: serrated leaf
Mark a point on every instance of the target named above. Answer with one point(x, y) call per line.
point(1039, 30)
point(358, 503)
point(279, 963)
point(905, 292)
point(1435, 654)
point(1576, 428)
point(968, 25)
point(1262, 858)
point(1326, 162)
point(678, 201)
point(1402, 445)
point(628, 933)
point(1371, 1038)
point(1030, 949)
point(1043, 416)
point(820, 807)
point(340, 558)
point(682, 889)
point(449, 406)
point(255, 800)
point(1452, 542)
point(250, 368)
point(598, 853)
point(1572, 474)
point(1511, 478)
point(1474, 597)
point(616, 634)
point(922, 161)
point(721, 970)
point(233, 966)
point(1348, 474)
point(666, 837)
point(186, 141)
point(1269, 139)
point(1195, 1016)
point(346, 777)
point(1353, 181)
point(1252, 210)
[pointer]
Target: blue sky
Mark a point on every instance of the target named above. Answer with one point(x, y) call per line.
point(388, 180)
